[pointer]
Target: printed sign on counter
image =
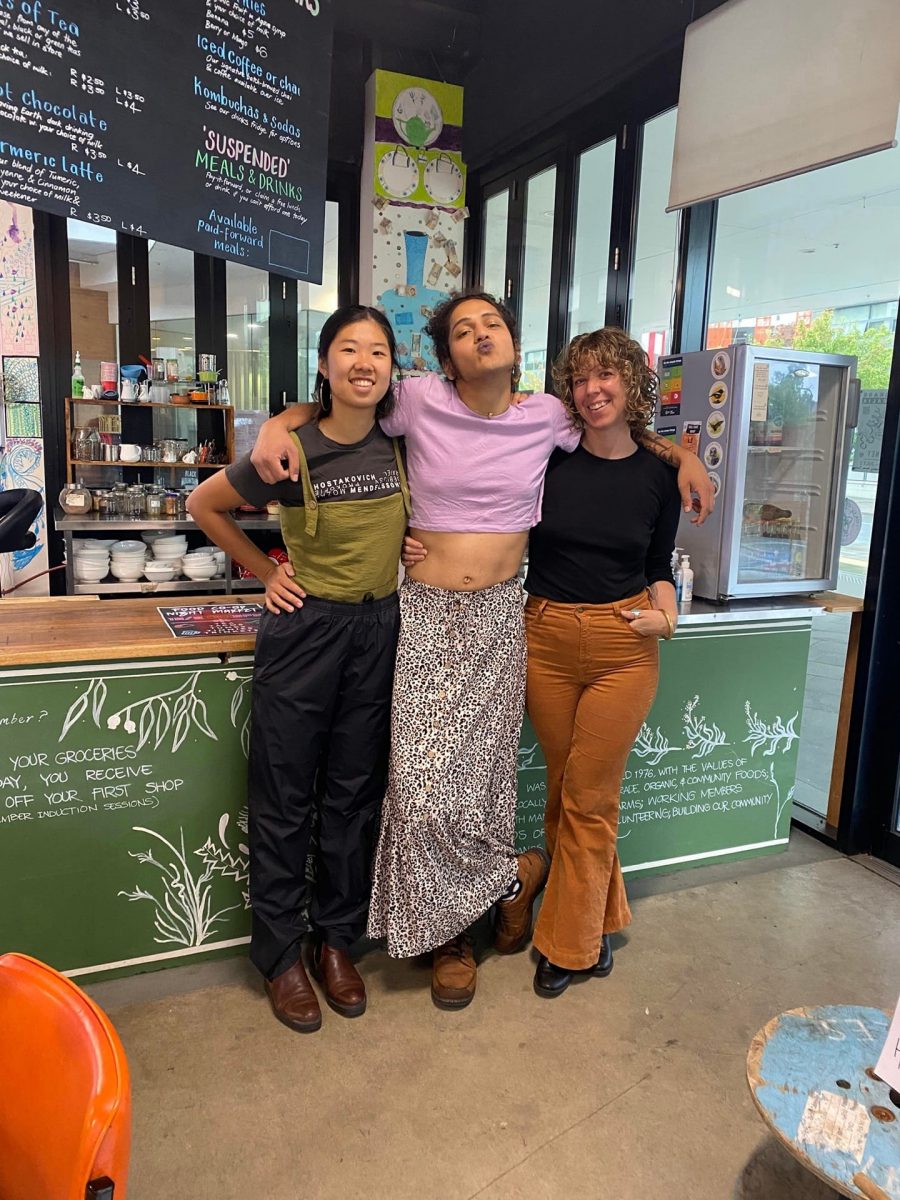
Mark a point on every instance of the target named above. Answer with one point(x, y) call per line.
point(211, 620)
point(203, 124)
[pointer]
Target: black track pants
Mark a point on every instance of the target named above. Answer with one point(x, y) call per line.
point(321, 704)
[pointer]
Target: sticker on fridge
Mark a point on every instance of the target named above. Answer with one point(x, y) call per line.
point(720, 365)
point(716, 480)
point(670, 432)
point(713, 455)
point(690, 436)
point(715, 424)
point(718, 394)
point(759, 395)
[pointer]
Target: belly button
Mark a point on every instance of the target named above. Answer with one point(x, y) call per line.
point(467, 578)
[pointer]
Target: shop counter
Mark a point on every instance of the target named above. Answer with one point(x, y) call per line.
point(123, 750)
point(122, 784)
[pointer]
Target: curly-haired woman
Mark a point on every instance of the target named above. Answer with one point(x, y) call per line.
point(600, 596)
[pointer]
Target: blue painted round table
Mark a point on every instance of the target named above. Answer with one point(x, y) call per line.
point(812, 1076)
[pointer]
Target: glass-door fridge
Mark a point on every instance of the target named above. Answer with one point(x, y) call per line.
point(773, 428)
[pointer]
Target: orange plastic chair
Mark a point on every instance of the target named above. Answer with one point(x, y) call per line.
point(65, 1093)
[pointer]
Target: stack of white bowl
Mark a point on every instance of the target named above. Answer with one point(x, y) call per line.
point(168, 551)
point(127, 560)
point(203, 563)
point(90, 559)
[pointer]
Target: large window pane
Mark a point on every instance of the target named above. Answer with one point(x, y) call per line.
point(94, 295)
point(247, 294)
point(656, 242)
point(813, 263)
point(593, 214)
point(315, 303)
point(496, 218)
point(172, 310)
point(540, 199)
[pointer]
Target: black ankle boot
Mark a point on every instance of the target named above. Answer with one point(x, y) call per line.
point(549, 980)
point(604, 963)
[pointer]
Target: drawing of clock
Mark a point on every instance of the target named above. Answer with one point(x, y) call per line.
point(443, 180)
point(417, 117)
point(398, 174)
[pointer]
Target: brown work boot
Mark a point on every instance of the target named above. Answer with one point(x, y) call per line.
point(513, 919)
point(453, 973)
point(293, 1000)
point(341, 982)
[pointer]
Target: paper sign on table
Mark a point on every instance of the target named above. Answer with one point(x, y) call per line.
point(211, 620)
point(888, 1067)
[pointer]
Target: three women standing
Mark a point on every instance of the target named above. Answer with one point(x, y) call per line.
point(476, 461)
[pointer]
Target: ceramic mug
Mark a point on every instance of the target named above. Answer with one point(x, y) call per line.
point(129, 391)
point(97, 390)
point(128, 452)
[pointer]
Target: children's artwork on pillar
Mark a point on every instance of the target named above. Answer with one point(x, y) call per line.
point(18, 301)
point(22, 466)
point(418, 180)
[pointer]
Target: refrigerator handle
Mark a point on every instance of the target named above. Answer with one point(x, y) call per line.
point(853, 403)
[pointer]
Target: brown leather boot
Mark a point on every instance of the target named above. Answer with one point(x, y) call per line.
point(513, 919)
point(293, 1000)
point(453, 973)
point(341, 982)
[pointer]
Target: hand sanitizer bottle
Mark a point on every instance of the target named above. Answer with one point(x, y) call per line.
point(685, 593)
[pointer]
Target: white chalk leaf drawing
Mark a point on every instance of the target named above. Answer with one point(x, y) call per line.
point(703, 735)
point(780, 805)
point(221, 859)
point(760, 733)
point(182, 908)
point(177, 711)
point(94, 698)
point(527, 755)
point(653, 745)
point(243, 679)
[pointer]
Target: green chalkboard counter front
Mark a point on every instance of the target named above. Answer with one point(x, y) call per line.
point(123, 751)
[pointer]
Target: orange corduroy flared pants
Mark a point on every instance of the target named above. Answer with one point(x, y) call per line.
point(591, 681)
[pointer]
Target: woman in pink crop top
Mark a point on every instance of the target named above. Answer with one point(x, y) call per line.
point(476, 462)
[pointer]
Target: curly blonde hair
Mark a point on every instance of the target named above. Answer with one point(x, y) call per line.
point(610, 347)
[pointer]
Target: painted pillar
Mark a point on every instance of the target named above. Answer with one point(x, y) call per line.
point(21, 431)
point(412, 205)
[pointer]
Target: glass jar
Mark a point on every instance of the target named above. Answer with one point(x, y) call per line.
point(181, 502)
point(156, 504)
point(171, 504)
point(75, 499)
point(136, 501)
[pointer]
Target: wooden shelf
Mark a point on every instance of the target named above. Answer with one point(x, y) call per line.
point(106, 462)
point(192, 404)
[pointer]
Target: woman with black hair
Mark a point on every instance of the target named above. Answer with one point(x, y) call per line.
point(324, 667)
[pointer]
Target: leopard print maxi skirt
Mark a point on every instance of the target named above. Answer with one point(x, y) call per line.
point(447, 845)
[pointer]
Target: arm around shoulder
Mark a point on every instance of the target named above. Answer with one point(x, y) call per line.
point(275, 455)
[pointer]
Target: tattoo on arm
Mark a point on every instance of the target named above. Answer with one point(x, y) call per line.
point(664, 450)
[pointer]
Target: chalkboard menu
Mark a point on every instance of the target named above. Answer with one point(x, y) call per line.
point(202, 123)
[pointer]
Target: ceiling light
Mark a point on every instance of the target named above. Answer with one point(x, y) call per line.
point(808, 250)
point(733, 291)
point(232, 335)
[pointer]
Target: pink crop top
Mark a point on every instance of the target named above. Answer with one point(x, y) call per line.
point(471, 474)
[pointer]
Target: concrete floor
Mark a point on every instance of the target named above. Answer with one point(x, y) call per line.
point(630, 1087)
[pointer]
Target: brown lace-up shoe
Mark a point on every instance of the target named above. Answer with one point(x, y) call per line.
point(513, 918)
point(453, 973)
point(341, 982)
point(293, 1000)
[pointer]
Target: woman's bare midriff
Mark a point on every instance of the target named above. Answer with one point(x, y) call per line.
point(466, 562)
